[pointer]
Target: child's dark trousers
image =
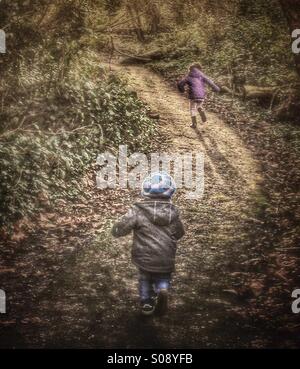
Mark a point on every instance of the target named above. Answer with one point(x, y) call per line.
point(151, 283)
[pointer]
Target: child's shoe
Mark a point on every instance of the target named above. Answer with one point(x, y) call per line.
point(162, 302)
point(194, 122)
point(148, 307)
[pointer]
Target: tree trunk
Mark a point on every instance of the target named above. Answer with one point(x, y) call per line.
point(136, 22)
point(291, 10)
point(178, 10)
point(143, 58)
point(256, 92)
point(154, 14)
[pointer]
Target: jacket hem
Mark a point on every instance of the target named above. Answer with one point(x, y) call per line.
point(153, 270)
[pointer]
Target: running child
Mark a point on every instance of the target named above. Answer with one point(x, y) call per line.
point(156, 227)
point(196, 81)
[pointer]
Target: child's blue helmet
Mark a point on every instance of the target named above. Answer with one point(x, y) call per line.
point(159, 184)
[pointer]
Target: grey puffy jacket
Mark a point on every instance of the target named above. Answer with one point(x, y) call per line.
point(156, 228)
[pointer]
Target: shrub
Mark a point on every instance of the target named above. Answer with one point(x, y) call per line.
point(65, 126)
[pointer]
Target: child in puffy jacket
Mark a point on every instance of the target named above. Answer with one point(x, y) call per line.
point(156, 227)
point(196, 81)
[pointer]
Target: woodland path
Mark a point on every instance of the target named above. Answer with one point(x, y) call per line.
point(83, 292)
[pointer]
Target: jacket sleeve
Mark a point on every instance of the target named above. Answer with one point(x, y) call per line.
point(125, 224)
point(181, 84)
point(211, 83)
point(177, 228)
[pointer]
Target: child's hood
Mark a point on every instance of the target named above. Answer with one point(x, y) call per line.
point(158, 212)
point(195, 73)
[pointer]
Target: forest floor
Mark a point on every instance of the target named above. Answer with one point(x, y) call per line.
point(69, 284)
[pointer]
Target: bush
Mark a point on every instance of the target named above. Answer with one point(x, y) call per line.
point(67, 124)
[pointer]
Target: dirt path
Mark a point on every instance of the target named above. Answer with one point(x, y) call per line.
point(82, 291)
point(216, 239)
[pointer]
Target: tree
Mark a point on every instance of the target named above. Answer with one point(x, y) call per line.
point(153, 15)
point(133, 8)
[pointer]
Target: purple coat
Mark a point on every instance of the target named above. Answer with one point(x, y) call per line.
point(196, 81)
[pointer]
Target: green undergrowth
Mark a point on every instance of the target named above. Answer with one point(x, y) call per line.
point(56, 130)
point(256, 44)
